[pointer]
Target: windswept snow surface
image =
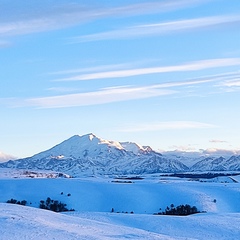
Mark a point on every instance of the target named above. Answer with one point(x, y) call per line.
point(94, 198)
point(18, 222)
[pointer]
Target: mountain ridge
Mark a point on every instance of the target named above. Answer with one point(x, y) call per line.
point(91, 155)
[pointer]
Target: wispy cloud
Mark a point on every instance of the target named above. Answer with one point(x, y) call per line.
point(94, 69)
point(161, 126)
point(193, 151)
point(221, 152)
point(44, 16)
point(232, 83)
point(217, 141)
point(5, 157)
point(113, 94)
point(159, 28)
point(187, 67)
point(116, 93)
point(62, 89)
point(103, 96)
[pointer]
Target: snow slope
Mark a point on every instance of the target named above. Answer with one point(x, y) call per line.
point(140, 196)
point(200, 226)
point(93, 199)
point(19, 222)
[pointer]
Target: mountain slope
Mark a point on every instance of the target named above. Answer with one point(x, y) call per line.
point(218, 164)
point(89, 155)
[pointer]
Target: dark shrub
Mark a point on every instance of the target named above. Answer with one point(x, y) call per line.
point(53, 205)
point(181, 210)
point(14, 201)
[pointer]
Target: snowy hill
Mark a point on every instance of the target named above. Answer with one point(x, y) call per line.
point(93, 199)
point(18, 222)
point(90, 155)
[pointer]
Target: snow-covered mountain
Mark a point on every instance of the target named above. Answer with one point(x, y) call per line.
point(201, 161)
point(89, 155)
point(187, 158)
point(218, 164)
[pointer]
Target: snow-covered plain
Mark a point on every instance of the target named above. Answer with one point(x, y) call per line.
point(94, 198)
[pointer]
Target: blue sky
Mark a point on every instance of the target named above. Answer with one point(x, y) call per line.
point(159, 73)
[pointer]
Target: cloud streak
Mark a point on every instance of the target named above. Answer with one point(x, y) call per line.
point(103, 96)
point(232, 83)
point(221, 152)
point(192, 66)
point(162, 126)
point(113, 94)
point(160, 28)
point(217, 141)
point(46, 17)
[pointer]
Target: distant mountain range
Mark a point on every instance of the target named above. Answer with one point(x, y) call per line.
point(90, 155)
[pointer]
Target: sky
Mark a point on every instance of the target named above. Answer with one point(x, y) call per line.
point(161, 73)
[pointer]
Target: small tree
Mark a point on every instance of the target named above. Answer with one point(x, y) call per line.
point(14, 201)
point(23, 202)
point(54, 205)
point(181, 210)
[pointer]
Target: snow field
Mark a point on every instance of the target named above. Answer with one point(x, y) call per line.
point(141, 196)
point(93, 199)
point(18, 222)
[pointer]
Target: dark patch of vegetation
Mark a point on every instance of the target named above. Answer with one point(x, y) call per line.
point(122, 211)
point(117, 181)
point(130, 178)
point(181, 210)
point(208, 175)
point(14, 201)
point(54, 205)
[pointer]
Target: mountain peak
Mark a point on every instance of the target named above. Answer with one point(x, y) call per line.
point(89, 136)
point(81, 146)
point(134, 147)
point(84, 138)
